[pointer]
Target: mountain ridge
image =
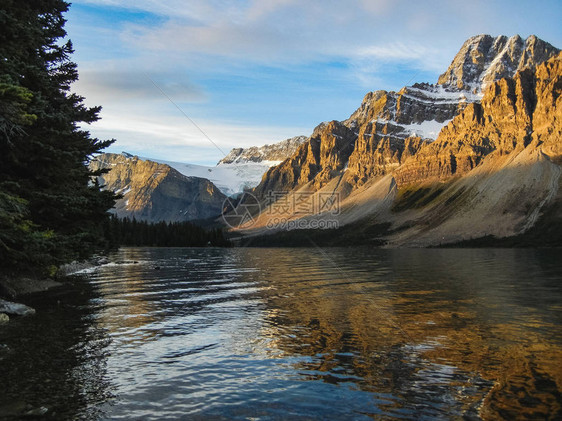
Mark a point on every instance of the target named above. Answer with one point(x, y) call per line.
point(509, 131)
point(155, 190)
point(275, 152)
point(391, 126)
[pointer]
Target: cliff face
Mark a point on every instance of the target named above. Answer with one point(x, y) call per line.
point(156, 192)
point(322, 157)
point(513, 114)
point(391, 127)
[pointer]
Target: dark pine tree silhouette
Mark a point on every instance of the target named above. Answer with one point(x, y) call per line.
point(127, 232)
point(51, 210)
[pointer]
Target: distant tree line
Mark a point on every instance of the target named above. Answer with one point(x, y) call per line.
point(130, 232)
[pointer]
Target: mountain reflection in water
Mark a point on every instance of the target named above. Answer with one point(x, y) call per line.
point(297, 333)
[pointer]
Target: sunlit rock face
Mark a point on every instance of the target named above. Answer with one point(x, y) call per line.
point(156, 192)
point(515, 113)
point(391, 127)
point(444, 163)
point(322, 157)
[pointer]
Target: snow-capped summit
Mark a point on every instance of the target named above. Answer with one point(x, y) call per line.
point(423, 109)
point(242, 168)
point(271, 154)
point(483, 59)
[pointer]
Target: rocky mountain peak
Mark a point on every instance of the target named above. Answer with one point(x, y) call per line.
point(389, 127)
point(275, 153)
point(484, 59)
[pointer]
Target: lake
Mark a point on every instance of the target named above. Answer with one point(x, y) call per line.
point(268, 334)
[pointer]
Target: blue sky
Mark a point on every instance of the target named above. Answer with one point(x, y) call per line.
point(251, 72)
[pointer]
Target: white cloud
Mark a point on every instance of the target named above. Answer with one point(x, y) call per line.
point(175, 137)
point(368, 62)
point(281, 31)
point(395, 51)
point(270, 30)
point(222, 33)
point(108, 85)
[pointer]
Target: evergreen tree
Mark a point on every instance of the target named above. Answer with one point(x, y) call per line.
point(126, 232)
point(47, 193)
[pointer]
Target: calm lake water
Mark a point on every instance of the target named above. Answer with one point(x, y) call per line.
point(267, 334)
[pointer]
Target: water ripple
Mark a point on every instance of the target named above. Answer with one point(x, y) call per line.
point(298, 334)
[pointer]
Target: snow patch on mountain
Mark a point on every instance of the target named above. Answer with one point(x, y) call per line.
point(428, 129)
point(231, 179)
point(439, 94)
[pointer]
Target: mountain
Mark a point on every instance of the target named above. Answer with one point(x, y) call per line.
point(484, 59)
point(241, 169)
point(264, 154)
point(495, 169)
point(389, 127)
point(481, 143)
point(230, 179)
point(319, 158)
point(156, 192)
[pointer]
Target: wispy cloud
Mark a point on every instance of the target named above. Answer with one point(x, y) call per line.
point(110, 85)
point(281, 30)
point(175, 138)
point(396, 51)
point(265, 31)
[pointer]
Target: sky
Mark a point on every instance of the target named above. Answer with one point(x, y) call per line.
point(189, 80)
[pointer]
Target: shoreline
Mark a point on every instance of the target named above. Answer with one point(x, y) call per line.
point(14, 289)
